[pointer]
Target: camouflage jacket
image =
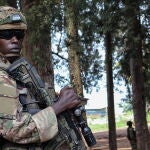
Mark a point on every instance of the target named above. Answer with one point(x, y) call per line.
point(17, 126)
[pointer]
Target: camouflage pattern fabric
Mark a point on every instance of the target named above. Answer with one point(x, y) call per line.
point(19, 127)
point(7, 18)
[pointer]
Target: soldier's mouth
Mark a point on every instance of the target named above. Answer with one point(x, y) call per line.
point(15, 50)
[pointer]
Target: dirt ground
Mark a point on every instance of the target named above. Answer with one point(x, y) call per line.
point(102, 141)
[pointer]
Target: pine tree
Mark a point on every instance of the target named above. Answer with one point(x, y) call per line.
point(134, 43)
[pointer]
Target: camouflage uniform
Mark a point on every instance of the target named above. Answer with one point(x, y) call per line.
point(18, 127)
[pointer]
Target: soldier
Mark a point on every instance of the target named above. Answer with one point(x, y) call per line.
point(20, 129)
point(131, 135)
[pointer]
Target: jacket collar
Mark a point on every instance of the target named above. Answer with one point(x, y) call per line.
point(4, 63)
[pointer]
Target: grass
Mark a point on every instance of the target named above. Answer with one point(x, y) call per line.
point(98, 127)
point(120, 123)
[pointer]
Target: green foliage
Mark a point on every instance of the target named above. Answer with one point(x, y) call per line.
point(91, 63)
point(39, 21)
point(122, 67)
point(40, 18)
point(109, 16)
point(90, 59)
point(3, 2)
point(94, 19)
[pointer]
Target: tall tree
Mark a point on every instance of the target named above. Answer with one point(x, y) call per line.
point(110, 93)
point(74, 48)
point(134, 43)
point(37, 46)
point(71, 15)
point(110, 29)
point(89, 57)
point(39, 16)
point(123, 54)
point(12, 3)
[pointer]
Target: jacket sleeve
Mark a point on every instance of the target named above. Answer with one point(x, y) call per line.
point(20, 127)
point(38, 128)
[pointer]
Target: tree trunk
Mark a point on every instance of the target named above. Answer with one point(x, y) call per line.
point(12, 3)
point(135, 51)
point(110, 93)
point(27, 50)
point(73, 46)
point(43, 45)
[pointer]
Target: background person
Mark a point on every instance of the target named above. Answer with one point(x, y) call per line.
point(131, 135)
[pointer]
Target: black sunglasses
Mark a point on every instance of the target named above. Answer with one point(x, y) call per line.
point(8, 34)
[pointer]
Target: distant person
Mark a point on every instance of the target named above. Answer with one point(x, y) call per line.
point(131, 135)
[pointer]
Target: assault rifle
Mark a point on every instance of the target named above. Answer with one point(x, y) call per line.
point(21, 70)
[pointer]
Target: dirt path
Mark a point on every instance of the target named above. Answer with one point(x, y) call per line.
point(103, 143)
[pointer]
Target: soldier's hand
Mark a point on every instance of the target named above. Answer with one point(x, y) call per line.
point(67, 100)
